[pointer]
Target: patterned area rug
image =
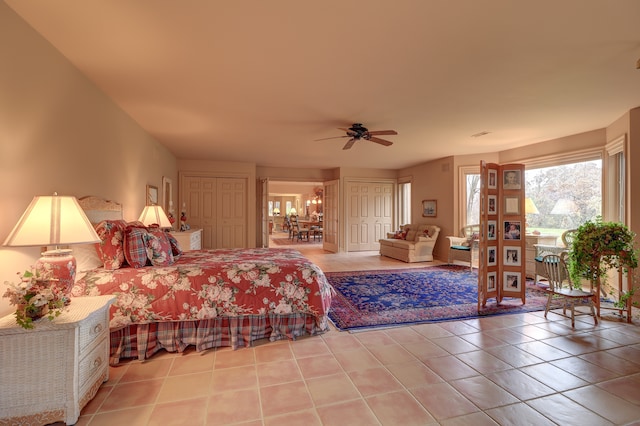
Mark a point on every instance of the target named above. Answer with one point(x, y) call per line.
point(370, 299)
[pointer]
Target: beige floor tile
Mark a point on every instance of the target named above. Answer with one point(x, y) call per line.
point(374, 381)
point(391, 354)
point(133, 394)
point(554, 377)
point(128, 416)
point(309, 347)
point(233, 407)
point(514, 356)
point(432, 331)
point(443, 401)
point(517, 414)
point(359, 359)
point(482, 340)
point(483, 392)
point(151, 369)
point(331, 389)
point(319, 366)
point(585, 370)
point(564, 411)
point(425, 350)
point(352, 413)
point(413, 374)
point(520, 385)
point(178, 413)
point(271, 353)
point(612, 362)
point(475, 419)
point(607, 405)
point(231, 379)
point(186, 386)
point(543, 351)
point(284, 398)
point(483, 362)
point(399, 408)
point(340, 342)
point(273, 373)
point(625, 387)
point(306, 418)
point(228, 358)
point(455, 344)
point(404, 335)
point(577, 344)
point(375, 338)
point(450, 368)
point(458, 327)
point(509, 336)
point(535, 332)
point(193, 363)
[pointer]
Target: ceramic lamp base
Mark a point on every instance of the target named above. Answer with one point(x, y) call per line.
point(60, 265)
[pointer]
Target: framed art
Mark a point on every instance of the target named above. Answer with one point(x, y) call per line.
point(511, 205)
point(512, 229)
point(511, 179)
point(152, 195)
point(491, 281)
point(491, 229)
point(167, 195)
point(512, 256)
point(493, 179)
point(492, 254)
point(429, 208)
point(492, 208)
point(512, 281)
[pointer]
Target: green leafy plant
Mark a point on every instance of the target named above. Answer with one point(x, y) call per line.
point(599, 246)
point(35, 298)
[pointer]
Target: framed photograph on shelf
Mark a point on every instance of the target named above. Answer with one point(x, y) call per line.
point(511, 205)
point(429, 208)
point(491, 229)
point(492, 204)
point(512, 281)
point(511, 256)
point(152, 195)
point(511, 179)
point(491, 281)
point(512, 229)
point(492, 254)
point(493, 179)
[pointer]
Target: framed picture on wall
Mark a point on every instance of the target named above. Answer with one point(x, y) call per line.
point(492, 208)
point(511, 205)
point(429, 208)
point(491, 229)
point(152, 195)
point(512, 229)
point(511, 179)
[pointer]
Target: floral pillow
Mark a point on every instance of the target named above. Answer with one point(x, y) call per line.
point(158, 248)
point(400, 235)
point(135, 247)
point(110, 248)
point(175, 246)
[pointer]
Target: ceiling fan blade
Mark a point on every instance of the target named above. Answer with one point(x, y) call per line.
point(333, 137)
point(380, 141)
point(349, 143)
point(343, 129)
point(383, 132)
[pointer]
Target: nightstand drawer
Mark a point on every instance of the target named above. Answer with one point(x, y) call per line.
point(95, 328)
point(94, 363)
point(189, 240)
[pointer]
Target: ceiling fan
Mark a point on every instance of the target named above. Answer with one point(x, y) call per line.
point(357, 131)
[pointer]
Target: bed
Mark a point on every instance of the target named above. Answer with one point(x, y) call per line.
point(204, 298)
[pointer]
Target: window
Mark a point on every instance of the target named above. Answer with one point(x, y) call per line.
point(404, 203)
point(565, 195)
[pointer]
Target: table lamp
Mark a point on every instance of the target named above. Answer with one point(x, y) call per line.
point(154, 216)
point(54, 221)
point(529, 208)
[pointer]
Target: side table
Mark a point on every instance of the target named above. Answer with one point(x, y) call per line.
point(50, 372)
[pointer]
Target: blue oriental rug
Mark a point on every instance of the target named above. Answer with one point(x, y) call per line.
point(368, 299)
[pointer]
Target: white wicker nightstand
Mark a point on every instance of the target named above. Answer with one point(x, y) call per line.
point(189, 240)
point(50, 372)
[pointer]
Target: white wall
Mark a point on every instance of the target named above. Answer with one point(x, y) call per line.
point(58, 132)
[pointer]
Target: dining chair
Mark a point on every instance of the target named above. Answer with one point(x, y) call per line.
point(560, 286)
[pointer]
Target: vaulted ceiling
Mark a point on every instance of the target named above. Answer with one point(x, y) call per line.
point(261, 81)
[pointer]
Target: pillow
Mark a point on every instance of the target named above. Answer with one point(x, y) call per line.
point(87, 257)
point(400, 235)
point(110, 249)
point(425, 233)
point(411, 235)
point(158, 248)
point(135, 248)
point(175, 246)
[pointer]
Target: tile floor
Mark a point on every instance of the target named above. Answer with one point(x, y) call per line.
point(508, 370)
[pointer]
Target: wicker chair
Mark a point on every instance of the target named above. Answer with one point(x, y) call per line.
point(560, 286)
point(462, 248)
point(542, 250)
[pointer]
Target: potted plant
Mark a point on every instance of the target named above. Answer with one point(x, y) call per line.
point(34, 298)
point(599, 246)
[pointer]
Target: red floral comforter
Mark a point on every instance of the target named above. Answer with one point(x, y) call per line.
point(212, 283)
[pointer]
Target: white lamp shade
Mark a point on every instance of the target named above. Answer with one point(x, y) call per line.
point(154, 215)
point(52, 220)
point(564, 206)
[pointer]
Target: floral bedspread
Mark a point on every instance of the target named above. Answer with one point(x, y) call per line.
point(207, 284)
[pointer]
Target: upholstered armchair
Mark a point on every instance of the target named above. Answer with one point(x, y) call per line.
point(543, 250)
point(464, 247)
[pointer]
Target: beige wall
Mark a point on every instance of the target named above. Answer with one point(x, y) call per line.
point(58, 132)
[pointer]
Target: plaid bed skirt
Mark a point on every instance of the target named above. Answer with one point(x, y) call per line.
point(143, 340)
